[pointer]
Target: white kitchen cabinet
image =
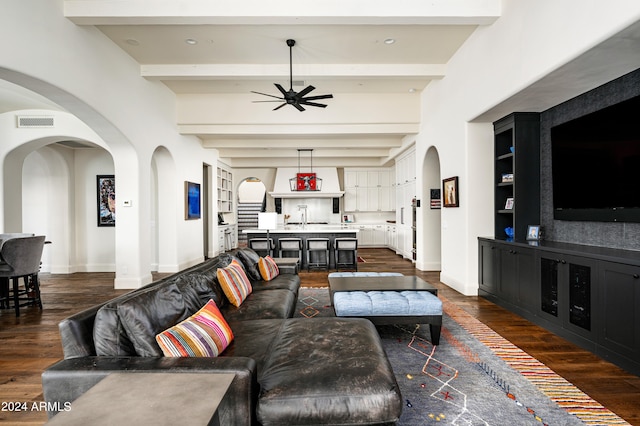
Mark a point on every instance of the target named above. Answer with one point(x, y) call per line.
point(368, 190)
point(379, 236)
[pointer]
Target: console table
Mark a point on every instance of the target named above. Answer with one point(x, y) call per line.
point(149, 398)
point(588, 295)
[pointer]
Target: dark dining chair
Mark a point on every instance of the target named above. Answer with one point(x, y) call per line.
point(20, 258)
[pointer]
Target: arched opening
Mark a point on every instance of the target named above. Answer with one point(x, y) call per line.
point(252, 199)
point(164, 212)
point(429, 240)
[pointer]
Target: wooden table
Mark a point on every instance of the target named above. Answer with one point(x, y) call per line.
point(149, 398)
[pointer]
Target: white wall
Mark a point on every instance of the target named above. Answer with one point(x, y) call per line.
point(530, 40)
point(86, 74)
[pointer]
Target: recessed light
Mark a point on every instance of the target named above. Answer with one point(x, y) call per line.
point(412, 90)
point(132, 42)
point(191, 41)
point(389, 40)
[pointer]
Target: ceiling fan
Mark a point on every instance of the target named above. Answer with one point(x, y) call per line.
point(290, 97)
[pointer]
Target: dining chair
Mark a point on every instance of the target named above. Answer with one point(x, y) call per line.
point(20, 258)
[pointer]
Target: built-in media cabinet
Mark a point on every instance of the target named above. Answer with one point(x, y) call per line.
point(586, 294)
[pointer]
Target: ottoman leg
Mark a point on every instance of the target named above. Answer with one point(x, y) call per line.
point(435, 333)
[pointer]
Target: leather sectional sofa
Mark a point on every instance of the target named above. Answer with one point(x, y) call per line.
point(287, 370)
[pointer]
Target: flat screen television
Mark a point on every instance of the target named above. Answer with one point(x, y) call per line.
point(596, 165)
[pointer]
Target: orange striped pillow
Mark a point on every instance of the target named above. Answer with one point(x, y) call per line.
point(234, 282)
point(204, 334)
point(268, 268)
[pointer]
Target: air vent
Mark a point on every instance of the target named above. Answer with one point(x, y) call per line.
point(34, 121)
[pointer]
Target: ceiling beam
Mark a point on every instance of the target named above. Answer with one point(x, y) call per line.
point(273, 71)
point(281, 12)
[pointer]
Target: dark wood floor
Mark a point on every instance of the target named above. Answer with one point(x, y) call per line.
point(30, 343)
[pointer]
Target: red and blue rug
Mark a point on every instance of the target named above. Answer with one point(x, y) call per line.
point(474, 377)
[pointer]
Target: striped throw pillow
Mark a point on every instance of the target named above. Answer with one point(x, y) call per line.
point(268, 268)
point(204, 334)
point(234, 283)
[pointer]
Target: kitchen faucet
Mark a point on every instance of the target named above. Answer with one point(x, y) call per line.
point(303, 208)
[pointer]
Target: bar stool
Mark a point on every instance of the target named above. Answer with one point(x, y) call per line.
point(261, 246)
point(291, 245)
point(349, 247)
point(318, 248)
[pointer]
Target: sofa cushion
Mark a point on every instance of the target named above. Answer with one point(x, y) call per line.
point(198, 287)
point(276, 303)
point(147, 314)
point(289, 282)
point(268, 268)
point(234, 283)
point(250, 260)
point(204, 333)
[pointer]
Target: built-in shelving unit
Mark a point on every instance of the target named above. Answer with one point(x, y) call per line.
point(517, 173)
point(225, 189)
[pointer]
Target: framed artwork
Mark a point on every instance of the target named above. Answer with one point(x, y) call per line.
point(533, 233)
point(306, 182)
point(191, 200)
point(508, 205)
point(450, 192)
point(106, 191)
point(434, 198)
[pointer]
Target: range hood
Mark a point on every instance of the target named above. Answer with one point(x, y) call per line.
point(330, 187)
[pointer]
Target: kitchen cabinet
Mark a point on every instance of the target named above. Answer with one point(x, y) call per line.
point(391, 237)
point(588, 295)
point(368, 190)
point(227, 237)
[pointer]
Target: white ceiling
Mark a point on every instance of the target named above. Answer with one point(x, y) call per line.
point(229, 48)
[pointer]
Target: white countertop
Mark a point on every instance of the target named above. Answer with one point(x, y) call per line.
point(299, 229)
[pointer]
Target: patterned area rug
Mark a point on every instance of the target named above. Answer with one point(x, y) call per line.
point(474, 377)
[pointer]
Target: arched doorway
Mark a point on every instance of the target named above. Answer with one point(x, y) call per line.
point(252, 199)
point(429, 240)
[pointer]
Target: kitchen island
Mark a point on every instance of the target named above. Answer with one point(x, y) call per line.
point(304, 232)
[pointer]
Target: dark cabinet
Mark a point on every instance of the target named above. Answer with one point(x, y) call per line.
point(487, 272)
point(567, 292)
point(619, 296)
point(507, 272)
point(588, 295)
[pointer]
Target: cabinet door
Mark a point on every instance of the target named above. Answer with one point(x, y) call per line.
point(619, 297)
point(567, 291)
point(350, 199)
point(379, 234)
point(487, 274)
point(350, 179)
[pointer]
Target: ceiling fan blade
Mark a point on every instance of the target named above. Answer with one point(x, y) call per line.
point(266, 94)
point(298, 106)
point(279, 106)
point(281, 89)
point(315, 104)
point(315, 98)
point(305, 91)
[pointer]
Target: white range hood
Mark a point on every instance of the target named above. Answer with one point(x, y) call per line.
point(330, 184)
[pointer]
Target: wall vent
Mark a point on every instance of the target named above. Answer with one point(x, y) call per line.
point(31, 121)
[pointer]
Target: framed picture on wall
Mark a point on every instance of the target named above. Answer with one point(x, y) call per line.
point(450, 192)
point(106, 195)
point(191, 200)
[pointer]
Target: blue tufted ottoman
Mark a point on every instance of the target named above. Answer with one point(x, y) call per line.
point(387, 298)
